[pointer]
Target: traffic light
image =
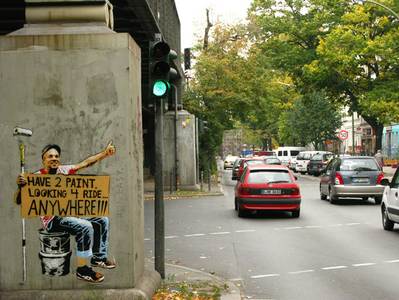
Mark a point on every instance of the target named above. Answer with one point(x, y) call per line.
point(161, 71)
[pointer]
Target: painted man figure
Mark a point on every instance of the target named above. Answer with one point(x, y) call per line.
point(91, 234)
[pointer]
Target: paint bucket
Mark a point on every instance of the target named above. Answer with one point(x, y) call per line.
point(54, 253)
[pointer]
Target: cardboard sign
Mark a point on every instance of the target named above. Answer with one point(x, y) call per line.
point(65, 195)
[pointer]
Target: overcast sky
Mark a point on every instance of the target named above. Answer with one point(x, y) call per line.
point(193, 16)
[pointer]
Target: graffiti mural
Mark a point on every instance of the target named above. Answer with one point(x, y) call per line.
point(69, 205)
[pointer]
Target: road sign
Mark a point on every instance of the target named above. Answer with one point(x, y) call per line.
point(343, 135)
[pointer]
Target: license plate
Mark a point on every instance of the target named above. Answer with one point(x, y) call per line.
point(361, 180)
point(271, 192)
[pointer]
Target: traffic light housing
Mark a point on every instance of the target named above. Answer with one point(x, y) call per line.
point(161, 71)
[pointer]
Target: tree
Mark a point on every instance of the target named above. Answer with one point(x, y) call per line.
point(313, 119)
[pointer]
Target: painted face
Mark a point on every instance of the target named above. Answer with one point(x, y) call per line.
point(51, 159)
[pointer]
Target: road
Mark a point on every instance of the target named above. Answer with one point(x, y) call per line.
point(330, 252)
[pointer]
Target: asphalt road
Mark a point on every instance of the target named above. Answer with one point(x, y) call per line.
point(330, 252)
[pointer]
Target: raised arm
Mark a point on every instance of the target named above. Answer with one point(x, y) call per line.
point(108, 151)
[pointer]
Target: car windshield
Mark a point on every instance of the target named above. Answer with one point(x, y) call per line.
point(358, 165)
point(269, 176)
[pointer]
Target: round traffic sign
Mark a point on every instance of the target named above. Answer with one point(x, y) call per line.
point(343, 134)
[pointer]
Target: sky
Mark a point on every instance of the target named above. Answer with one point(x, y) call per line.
point(192, 16)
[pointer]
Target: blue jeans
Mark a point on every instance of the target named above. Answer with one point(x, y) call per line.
point(91, 234)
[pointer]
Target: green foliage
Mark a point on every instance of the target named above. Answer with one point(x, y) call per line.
point(313, 119)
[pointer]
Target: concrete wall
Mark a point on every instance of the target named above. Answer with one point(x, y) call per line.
point(186, 150)
point(78, 91)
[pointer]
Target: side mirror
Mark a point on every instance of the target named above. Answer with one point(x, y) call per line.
point(385, 181)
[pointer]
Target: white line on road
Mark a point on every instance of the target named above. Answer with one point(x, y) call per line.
point(291, 228)
point(363, 264)
point(171, 236)
point(195, 234)
point(218, 233)
point(246, 230)
point(391, 261)
point(335, 225)
point(301, 272)
point(263, 276)
point(334, 268)
point(313, 226)
point(352, 224)
point(147, 239)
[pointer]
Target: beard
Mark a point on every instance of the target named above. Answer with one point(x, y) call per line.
point(52, 171)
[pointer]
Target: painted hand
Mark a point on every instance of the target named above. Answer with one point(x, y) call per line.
point(21, 180)
point(110, 149)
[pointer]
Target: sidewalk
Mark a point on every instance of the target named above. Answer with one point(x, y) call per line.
point(182, 276)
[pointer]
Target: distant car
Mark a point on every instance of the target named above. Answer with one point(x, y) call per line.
point(352, 177)
point(245, 162)
point(272, 161)
point(267, 187)
point(390, 202)
point(229, 161)
point(236, 167)
point(318, 162)
point(303, 159)
point(292, 164)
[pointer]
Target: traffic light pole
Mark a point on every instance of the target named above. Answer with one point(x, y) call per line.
point(159, 201)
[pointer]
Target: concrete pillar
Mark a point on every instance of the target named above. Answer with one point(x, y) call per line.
point(78, 91)
point(186, 149)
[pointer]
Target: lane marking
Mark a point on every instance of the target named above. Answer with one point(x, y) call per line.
point(263, 276)
point(147, 239)
point(291, 228)
point(352, 224)
point(195, 234)
point(301, 272)
point(171, 237)
point(391, 261)
point(313, 226)
point(219, 233)
point(336, 225)
point(364, 264)
point(246, 230)
point(334, 268)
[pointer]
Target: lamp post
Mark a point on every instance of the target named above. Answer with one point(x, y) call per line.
point(383, 6)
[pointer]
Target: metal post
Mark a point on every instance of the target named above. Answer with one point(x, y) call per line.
point(209, 174)
point(159, 200)
point(353, 133)
point(176, 140)
point(202, 180)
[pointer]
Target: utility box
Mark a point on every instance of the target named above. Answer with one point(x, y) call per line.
point(79, 91)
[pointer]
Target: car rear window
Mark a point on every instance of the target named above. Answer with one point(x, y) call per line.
point(360, 164)
point(254, 162)
point(317, 157)
point(269, 176)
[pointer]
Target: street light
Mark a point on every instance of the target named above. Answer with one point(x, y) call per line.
point(382, 5)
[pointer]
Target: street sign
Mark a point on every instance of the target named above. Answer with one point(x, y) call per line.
point(343, 135)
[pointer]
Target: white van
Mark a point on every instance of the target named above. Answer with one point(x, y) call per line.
point(302, 160)
point(285, 154)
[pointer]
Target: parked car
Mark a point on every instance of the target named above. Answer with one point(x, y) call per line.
point(236, 167)
point(267, 187)
point(272, 161)
point(245, 162)
point(229, 161)
point(302, 161)
point(352, 177)
point(318, 162)
point(390, 202)
point(292, 164)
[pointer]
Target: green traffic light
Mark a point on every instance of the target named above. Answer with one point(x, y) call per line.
point(160, 88)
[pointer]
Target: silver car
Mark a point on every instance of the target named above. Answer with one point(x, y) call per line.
point(352, 177)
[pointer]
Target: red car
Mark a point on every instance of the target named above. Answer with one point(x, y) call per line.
point(245, 162)
point(267, 187)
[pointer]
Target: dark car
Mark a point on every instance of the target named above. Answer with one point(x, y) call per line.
point(352, 177)
point(318, 162)
point(267, 187)
point(236, 167)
